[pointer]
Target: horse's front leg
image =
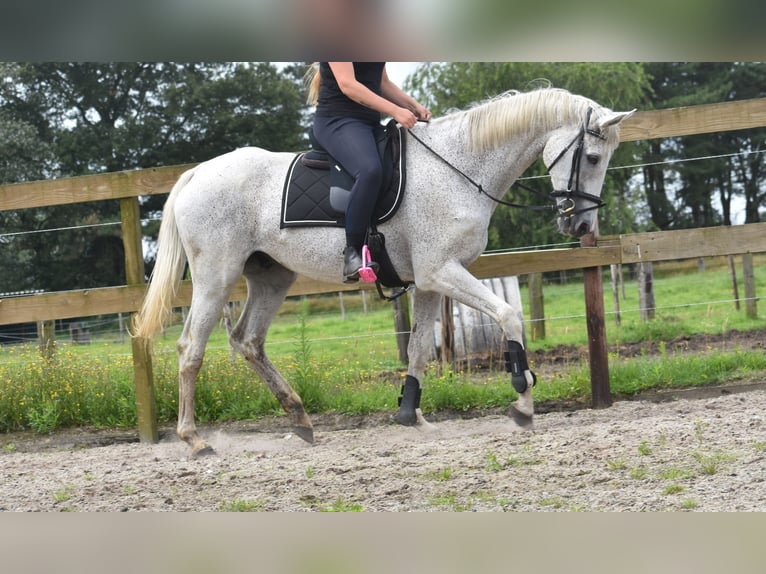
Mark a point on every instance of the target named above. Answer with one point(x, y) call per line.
point(453, 280)
point(425, 312)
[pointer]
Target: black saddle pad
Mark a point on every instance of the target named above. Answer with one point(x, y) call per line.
point(306, 194)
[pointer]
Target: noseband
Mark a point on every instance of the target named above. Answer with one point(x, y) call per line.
point(566, 207)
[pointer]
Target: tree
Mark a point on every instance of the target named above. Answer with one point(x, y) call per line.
point(683, 195)
point(116, 116)
point(23, 157)
point(98, 117)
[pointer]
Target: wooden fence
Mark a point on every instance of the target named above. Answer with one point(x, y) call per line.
point(127, 186)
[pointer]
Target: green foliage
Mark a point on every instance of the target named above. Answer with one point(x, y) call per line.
point(306, 378)
point(75, 118)
point(350, 366)
point(688, 200)
point(122, 115)
point(44, 418)
point(77, 390)
point(449, 85)
point(23, 155)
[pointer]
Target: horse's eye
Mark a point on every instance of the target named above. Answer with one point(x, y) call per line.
point(593, 158)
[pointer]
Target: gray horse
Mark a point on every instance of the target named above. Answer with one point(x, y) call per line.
point(224, 216)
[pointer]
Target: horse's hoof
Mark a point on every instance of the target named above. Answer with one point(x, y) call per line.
point(414, 419)
point(203, 451)
point(306, 433)
point(423, 424)
point(521, 419)
point(406, 418)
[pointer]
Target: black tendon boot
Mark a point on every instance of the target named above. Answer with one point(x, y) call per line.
point(408, 402)
point(516, 364)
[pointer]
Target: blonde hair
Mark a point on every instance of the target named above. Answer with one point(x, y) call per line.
point(312, 79)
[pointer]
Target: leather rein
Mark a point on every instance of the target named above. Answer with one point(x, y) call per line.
point(567, 207)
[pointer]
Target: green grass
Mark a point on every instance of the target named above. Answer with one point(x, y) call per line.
point(240, 505)
point(441, 475)
point(341, 505)
point(689, 504)
point(673, 489)
point(336, 364)
point(688, 303)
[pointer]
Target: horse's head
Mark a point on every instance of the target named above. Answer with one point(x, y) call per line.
point(577, 157)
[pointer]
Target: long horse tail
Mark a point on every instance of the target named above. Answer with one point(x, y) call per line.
point(167, 274)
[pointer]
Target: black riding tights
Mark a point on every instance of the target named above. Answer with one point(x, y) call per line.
point(352, 143)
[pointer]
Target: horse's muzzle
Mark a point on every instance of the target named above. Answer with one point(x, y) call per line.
point(575, 225)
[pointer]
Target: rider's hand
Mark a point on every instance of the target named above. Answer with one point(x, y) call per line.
point(423, 113)
point(405, 118)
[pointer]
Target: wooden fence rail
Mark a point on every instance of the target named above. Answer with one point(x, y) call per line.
point(128, 185)
point(632, 248)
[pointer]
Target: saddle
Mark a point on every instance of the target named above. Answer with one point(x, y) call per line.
point(317, 190)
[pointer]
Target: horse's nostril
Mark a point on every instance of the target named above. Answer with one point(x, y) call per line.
point(583, 228)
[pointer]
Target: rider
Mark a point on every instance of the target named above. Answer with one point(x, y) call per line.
point(349, 99)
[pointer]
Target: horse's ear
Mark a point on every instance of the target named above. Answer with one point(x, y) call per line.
point(613, 118)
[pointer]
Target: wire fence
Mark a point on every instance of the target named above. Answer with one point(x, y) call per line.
point(666, 162)
point(112, 329)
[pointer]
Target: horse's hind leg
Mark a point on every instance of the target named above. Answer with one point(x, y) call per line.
point(267, 286)
point(205, 311)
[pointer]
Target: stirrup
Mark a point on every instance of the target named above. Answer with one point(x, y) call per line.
point(367, 270)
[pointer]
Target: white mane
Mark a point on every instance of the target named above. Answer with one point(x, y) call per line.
point(495, 120)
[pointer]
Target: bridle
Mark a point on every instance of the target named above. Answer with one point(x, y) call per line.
point(566, 207)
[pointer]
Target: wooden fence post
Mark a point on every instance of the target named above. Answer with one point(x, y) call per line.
point(751, 306)
point(615, 272)
point(536, 305)
point(448, 333)
point(646, 303)
point(601, 394)
point(142, 353)
point(46, 334)
point(734, 287)
point(342, 306)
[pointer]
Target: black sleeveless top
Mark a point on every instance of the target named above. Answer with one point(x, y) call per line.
point(333, 102)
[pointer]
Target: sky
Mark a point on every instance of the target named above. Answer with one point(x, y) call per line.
point(398, 71)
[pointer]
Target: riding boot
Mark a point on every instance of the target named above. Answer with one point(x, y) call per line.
point(352, 263)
